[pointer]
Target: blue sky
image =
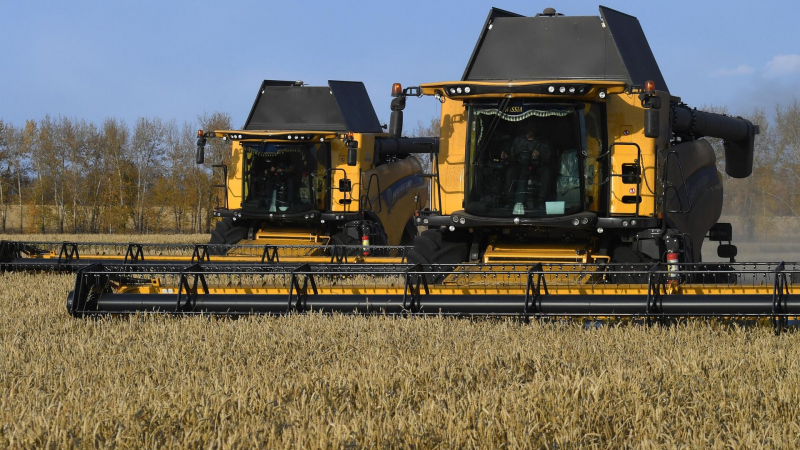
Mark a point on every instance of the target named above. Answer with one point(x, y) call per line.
point(177, 59)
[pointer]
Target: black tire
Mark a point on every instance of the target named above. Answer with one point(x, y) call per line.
point(225, 233)
point(340, 239)
point(426, 247)
point(722, 274)
point(409, 234)
point(436, 250)
point(625, 259)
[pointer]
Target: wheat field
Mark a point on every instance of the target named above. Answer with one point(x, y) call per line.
point(352, 382)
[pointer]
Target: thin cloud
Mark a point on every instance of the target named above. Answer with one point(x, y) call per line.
point(782, 65)
point(743, 69)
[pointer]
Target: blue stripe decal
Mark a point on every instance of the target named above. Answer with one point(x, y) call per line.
point(390, 195)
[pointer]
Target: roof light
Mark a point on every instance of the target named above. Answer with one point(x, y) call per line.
point(452, 90)
point(467, 89)
point(576, 221)
point(458, 89)
point(572, 90)
point(601, 94)
point(551, 89)
point(397, 90)
point(649, 87)
point(562, 89)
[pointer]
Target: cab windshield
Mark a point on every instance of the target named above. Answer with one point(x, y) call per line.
point(525, 159)
point(284, 178)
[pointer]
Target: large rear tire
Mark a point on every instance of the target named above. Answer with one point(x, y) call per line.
point(225, 233)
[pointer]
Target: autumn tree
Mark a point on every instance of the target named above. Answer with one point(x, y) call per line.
point(148, 147)
point(5, 173)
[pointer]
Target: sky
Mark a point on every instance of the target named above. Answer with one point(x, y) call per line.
point(178, 59)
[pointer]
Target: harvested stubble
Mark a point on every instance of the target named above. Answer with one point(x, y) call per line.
point(338, 381)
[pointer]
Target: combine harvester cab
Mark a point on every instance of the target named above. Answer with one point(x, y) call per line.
point(569, 182)
point(312, 177)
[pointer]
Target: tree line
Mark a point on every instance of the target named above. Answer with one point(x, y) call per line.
point(70, 175)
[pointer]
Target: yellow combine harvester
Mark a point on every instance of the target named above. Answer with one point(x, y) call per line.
point(569, 182)
point(312, 177)
point(573, 150)
point(312, 166)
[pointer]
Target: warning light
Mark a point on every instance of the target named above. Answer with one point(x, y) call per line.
point(350, 135)
point(397, 90)
point(649, 87)
point(199, 133)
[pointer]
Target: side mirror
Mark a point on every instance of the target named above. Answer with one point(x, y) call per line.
point(352, 153)
point(201, 146)
point(727, 251)
point(651, 123)
point(345, 185)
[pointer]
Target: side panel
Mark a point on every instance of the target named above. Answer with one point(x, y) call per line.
point(625, 128)
point(452, 148)
point(339, 168)
point(402, 193)
point(235, 173)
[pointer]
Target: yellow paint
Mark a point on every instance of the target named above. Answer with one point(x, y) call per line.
point(500, 288)
point(452, 148)
point(626, 126)
point(503, 253)
point(392, 217)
